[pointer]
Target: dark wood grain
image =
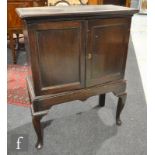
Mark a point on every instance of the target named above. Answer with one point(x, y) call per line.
point(108, 51)
point(75, 53)
point(60, 56)
point(44, 102)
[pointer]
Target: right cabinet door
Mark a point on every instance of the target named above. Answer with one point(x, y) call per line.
point(107, 46)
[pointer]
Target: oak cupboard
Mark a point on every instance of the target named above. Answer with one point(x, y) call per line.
point(75, 52)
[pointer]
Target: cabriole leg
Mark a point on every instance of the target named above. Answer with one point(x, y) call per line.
point(39, 130)
point(120, 106)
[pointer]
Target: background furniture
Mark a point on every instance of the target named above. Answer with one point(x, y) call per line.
point(15, 24)
point(143, 6)
point(67, 2)
point(73, 2)
point(128, 3)
point(74, 54)
point(116, 2)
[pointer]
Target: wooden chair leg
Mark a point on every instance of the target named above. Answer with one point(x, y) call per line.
point(12, 47)
point(102, 100)
point(17, 41)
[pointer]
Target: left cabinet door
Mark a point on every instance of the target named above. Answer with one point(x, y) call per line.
point(57, 56)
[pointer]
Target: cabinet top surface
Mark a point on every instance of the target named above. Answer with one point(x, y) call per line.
point(82, 10)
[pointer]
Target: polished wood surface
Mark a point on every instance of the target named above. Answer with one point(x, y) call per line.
point(66, 55)
point(108, 52)
point(75, 53)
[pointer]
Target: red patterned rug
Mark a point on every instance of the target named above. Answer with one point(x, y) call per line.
point(16, 85)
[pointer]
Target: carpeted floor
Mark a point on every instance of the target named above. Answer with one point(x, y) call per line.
point(80, 128)
point(16, 85)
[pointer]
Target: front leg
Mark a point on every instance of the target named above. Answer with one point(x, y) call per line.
point(12, 47)
point(120, 106)
point(39, 130)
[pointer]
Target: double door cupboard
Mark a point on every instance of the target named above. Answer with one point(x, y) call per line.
point(75, 52)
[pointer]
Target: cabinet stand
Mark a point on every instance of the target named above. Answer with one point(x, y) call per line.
point(38, 111)
point(74, 53)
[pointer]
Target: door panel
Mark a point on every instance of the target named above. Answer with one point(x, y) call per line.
point(60, 50)
point(107, 45)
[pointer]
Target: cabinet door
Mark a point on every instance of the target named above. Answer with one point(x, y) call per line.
point(106, 50)
point(57, 56)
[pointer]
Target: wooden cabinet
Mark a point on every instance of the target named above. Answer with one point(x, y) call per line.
point(75, 52)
